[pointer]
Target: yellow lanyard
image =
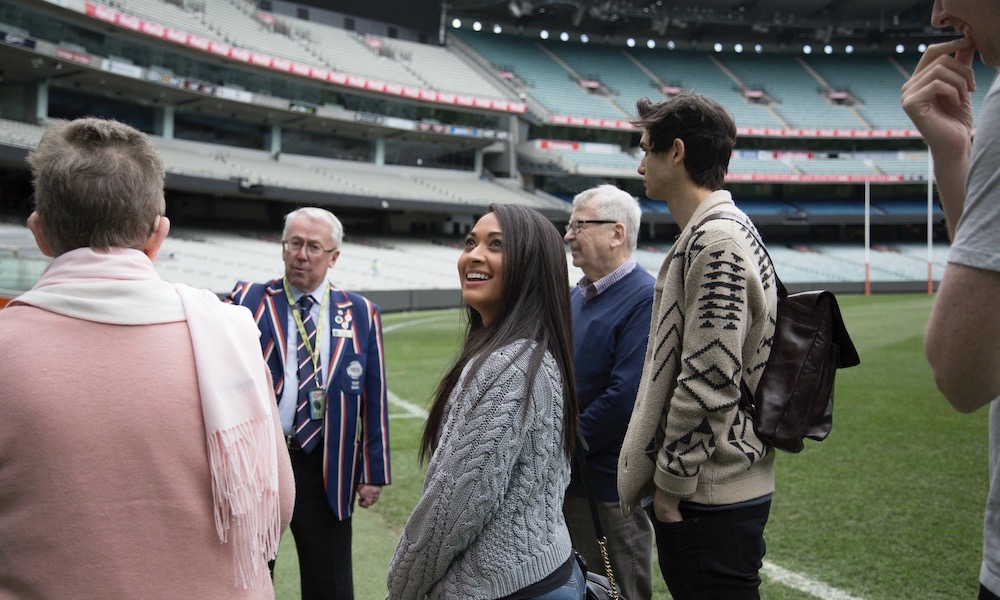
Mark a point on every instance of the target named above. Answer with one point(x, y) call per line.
point(314, 353)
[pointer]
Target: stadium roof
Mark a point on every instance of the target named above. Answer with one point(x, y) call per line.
point(867, 25)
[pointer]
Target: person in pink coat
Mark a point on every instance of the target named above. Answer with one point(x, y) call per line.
point(140, 452)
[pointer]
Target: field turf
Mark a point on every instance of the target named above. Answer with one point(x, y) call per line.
point(889, 506)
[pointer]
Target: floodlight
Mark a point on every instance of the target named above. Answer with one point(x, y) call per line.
point(717, 47)
point(807, 49)
point(738, 48)
point(584, 38)
point(564, 36)
point(630, 42)
point(456, 23)
point(651, 44)
point(497, 29)
point(544, 34)
point(477, 26)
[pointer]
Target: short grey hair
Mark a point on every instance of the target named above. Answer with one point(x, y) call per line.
point(613, 204)
point(316, 214)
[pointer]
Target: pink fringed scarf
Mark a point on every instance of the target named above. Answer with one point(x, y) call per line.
point(121, 287)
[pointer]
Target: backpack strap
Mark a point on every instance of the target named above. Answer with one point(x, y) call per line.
point(782, 292)
point(747, 400)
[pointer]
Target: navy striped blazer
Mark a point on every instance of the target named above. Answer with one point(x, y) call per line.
point(356, 426)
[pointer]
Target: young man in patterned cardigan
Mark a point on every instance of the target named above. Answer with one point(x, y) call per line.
point(689, 444)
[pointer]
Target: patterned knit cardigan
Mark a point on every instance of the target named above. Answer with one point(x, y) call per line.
point(713, 321)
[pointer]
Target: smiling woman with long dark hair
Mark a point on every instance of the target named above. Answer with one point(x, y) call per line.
point(501, 429)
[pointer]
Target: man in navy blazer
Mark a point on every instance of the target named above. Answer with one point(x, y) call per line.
point(335, 420)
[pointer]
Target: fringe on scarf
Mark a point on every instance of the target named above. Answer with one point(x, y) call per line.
point(243, 462)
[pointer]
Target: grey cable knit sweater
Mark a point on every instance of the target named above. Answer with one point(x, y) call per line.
point(490, 519)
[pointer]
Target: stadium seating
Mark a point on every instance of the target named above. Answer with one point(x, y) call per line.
point(614, 68)
point(169, 15)
point(552, 77)
point(20, 134)
point(442, 69)
point(235, 21)
point(701, 72)
point(347, 52)
point(796, 93)
point(21, 262)
point(548, 79)
point(215, 260)
point(873, 81)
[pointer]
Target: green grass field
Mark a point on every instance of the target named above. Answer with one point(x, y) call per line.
point(888, 507)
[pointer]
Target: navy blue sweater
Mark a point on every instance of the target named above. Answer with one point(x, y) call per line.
point(609, 347)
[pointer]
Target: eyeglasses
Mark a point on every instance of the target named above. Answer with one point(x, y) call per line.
point(579, 225)
point(313, 249)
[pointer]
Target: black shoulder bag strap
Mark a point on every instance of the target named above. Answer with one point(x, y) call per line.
point(602, 540)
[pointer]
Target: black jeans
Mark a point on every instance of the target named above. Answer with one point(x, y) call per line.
point(713, 554)
point(985, 594)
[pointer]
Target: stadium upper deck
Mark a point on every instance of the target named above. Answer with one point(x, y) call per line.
point(254, 104)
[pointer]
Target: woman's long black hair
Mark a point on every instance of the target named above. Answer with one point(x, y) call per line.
point(534, 306)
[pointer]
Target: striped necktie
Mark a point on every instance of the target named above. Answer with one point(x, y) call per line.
point(306, 429)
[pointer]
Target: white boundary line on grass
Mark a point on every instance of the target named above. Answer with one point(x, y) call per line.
point(412, 410)
point(800, 582)
point(781, 575)
point(396, 326)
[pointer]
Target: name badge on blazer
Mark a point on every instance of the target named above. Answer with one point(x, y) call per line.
point(355, 372)
point(342, 333)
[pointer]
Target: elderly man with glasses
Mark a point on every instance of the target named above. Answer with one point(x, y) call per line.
point(323, 346)
point(611, 305)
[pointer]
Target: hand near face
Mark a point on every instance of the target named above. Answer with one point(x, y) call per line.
point(938, 96)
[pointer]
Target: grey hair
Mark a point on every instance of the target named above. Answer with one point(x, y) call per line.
point(317, 214)
point(615, 204)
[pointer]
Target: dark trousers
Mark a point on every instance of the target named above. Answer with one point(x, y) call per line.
point(713, 555)
point(323, 543)
point(985, 594)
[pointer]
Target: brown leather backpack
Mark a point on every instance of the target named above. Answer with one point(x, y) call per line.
point(794, 398)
